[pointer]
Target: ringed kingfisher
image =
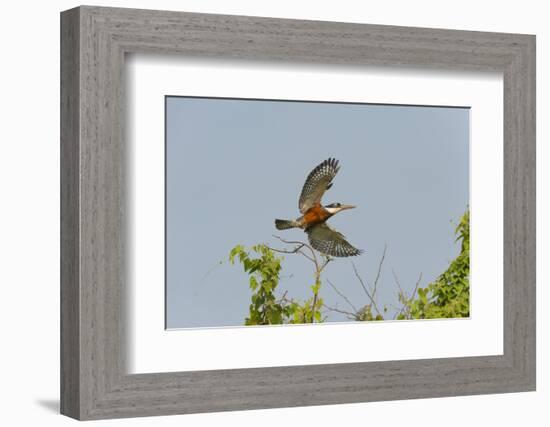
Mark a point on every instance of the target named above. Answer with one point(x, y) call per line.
point(314, 215)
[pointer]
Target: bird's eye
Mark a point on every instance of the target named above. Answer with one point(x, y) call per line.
point(338, 205)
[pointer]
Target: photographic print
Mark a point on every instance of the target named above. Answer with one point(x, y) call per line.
point(282, 212)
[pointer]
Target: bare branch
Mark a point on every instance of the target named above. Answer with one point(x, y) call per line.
point(397, 281)
point(327, 260)
point(342, 295)
point(284, 251)
point(402, 295)
point(296, 250)
point(313, 258)
point(349, 315)
point(416, 286)
point(404, 307)
point(295, 242)
point(360, 280)
point(379, 271)
point(365, 288)
point(283, 298)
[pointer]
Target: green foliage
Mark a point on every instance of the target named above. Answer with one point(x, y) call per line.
point(449, 295)
point(365, 314)
point(264, 278)
point(303, 313)
point(265, 308)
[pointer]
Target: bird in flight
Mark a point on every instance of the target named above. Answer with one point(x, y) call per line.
point(314, 215)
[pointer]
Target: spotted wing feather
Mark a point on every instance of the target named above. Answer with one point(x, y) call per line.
point(318, 181)
point(330, 242)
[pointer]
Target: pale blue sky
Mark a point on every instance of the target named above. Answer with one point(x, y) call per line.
point(235, 165)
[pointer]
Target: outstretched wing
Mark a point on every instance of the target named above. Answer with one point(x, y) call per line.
point(317, 182)
point(330, 242)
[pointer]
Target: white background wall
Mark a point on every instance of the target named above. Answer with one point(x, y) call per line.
point(29, 214)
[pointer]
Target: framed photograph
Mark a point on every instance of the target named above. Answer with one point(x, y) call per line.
point(261, 213)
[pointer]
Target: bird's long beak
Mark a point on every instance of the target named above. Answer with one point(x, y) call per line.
point(344, 207)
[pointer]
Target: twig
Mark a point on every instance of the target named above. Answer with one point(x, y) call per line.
point(379, 271)
point(360, 280)
point(404, 305)
point(416, 287)
point(318, 268)
point(327, 260)
point(397, 281)
point(294, 242)
point(284, 251)
point(342, 295)
point(296, 250)
point(402, 295)
point(283, 298)
point(365, 288)
point(349, 315)
point(317, 286)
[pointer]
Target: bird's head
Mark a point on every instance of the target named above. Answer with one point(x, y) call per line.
point(334, 208)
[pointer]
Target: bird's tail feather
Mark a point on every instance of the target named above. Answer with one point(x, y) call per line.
point(284, 224)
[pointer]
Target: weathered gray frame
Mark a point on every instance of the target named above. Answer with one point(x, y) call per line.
point(94, 383)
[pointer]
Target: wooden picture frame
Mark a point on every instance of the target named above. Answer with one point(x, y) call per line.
point(94, 382)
